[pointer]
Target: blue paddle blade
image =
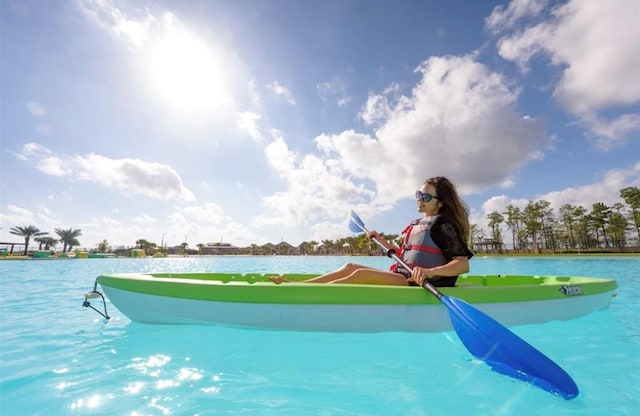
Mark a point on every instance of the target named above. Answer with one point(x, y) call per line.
point(354, 227)
point(355, 218)
point(505, 352)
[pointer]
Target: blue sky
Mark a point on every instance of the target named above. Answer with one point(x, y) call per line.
point(253, 121)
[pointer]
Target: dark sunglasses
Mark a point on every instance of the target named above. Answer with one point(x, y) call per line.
point(425, 197)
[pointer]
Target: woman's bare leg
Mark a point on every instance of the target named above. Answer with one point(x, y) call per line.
point(355, 274)
point(367, 276)
point(341, 273)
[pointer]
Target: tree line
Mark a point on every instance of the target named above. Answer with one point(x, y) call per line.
point(533, 228)
point(68, 237)
point(536, 227)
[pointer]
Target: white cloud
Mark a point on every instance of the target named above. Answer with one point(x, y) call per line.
point(106, 14)
point(459, 121)
point(151, 179)
point(334, 89)
point(145, 219)
point(607, 190)
point(248, 121)
point(316, 188)
point(16, 216)
point(343, 102)
point(282, 92)
point(502, 18)
point(376, 109)
point(379, 106)
point(36, 108)
point(595, 44)
point(208, 223)
point(195, 223)
point(609, 133)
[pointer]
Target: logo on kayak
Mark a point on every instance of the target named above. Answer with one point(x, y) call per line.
point(571, 290)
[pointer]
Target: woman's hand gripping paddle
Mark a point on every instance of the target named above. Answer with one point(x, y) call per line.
point(492, 342)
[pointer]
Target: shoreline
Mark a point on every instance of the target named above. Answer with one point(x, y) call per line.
point(176, 256)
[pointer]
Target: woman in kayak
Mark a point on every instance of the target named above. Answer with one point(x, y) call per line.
point(434, 245)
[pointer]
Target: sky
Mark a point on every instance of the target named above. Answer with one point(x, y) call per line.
point(261, 121)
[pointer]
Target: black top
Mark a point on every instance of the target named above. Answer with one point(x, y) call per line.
point(446, 237)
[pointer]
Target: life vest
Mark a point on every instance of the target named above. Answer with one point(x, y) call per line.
point(418, 248)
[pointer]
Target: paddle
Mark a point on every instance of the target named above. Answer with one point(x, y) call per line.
point(490, 341)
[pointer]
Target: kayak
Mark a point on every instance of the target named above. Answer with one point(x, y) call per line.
point(254, 301)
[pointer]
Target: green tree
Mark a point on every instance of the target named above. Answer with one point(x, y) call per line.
point(47, 242)
point(617, 227)
point(569, 215)
point(330, 246)
point(546, 221)
point(26, 232)
point(145, 245)
point(631, 196)
point(552, 233)
point(73, 243)
point(584, 231)
point(495, 220)
point(307, 247)
point(600, 216)
point(513, 220)
point(474, 230)
point(68, 238)
point(532, 225)
point(104, 247)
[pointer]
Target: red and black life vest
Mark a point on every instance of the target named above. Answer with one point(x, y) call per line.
point(418, 248)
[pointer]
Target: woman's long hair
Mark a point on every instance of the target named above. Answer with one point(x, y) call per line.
point(452, 207)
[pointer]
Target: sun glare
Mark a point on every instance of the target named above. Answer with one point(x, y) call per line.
point(188, 74)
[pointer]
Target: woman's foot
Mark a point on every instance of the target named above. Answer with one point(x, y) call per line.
point(278, 279)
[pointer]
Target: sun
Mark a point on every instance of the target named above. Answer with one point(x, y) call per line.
point(188, 74)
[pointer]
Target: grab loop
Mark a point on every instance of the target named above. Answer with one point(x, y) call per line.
point(94, 294)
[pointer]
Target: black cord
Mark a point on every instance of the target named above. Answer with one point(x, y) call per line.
point(87, 304)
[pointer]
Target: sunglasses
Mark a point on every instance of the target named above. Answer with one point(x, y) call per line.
point(425, 197)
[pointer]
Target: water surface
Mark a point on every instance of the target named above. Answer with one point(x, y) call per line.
point(59, 358)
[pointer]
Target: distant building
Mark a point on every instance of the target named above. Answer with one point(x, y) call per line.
point(489, 246)
point(219, 249)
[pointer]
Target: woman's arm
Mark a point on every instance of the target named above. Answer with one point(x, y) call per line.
point(455, 267)
point(389, 246)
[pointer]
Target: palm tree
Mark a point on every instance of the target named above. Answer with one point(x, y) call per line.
point(26, 232)
point(73, 243)
point(68, 237)
point(47, 242)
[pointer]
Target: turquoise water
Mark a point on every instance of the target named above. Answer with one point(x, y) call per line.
point(58, 358)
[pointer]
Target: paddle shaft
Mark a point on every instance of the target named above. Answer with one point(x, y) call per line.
point(392, 253)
